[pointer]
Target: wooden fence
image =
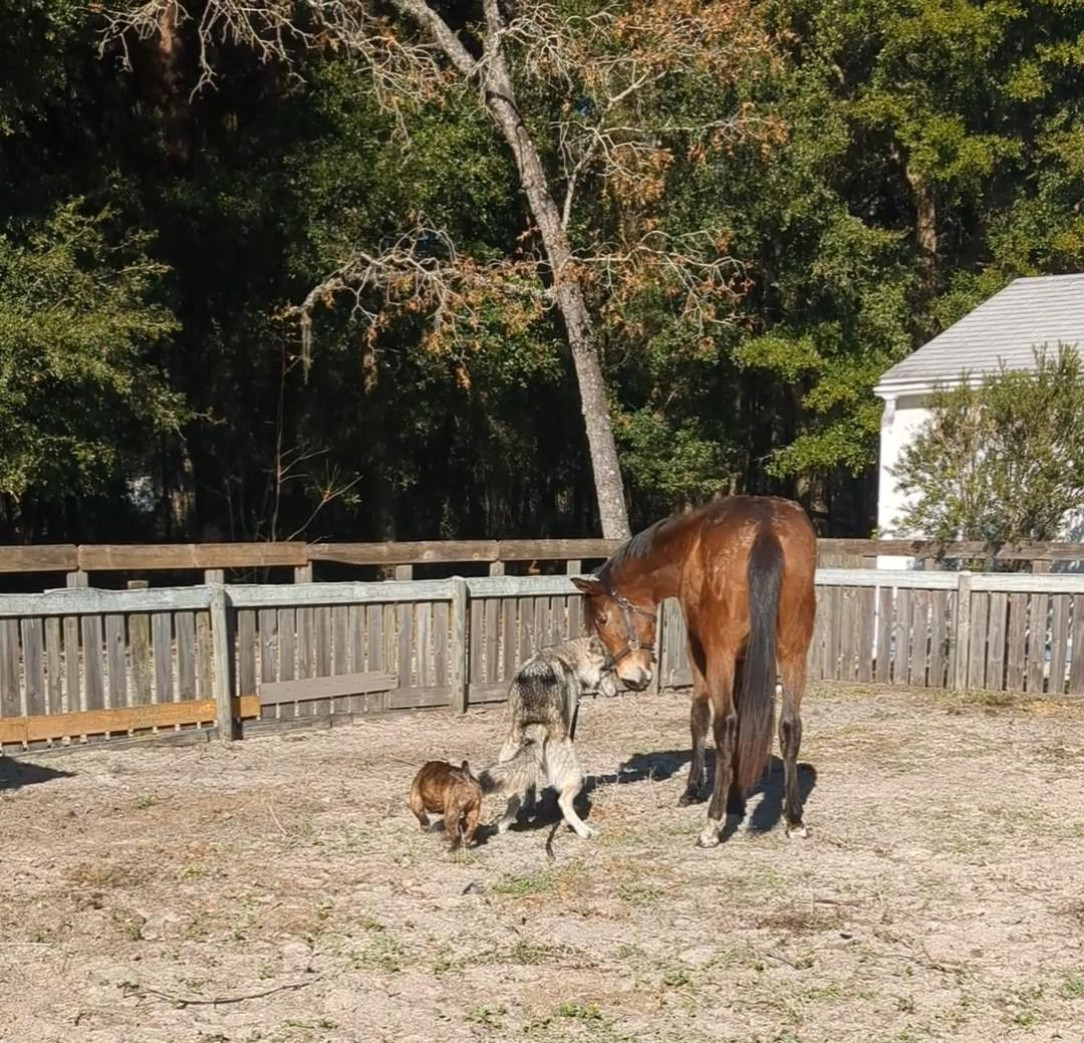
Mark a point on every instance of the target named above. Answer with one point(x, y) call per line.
point(306, 560)
point(84, 663)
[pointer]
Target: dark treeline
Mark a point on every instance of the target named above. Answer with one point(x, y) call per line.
point(899, 162)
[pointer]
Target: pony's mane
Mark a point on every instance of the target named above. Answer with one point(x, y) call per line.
point(640, 546)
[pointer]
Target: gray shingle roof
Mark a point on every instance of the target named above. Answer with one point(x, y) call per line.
point(1026, 314)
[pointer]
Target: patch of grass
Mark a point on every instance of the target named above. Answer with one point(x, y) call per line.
point(1072, 988)
point(530, 954)
point(676, 977)
point(639, 892)
point(145, 800)
point(800, 920)
point(579, 1011)
point(486, 1016)
point(383, 953)
point(540, 882)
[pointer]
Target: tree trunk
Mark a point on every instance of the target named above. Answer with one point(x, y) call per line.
point(500, 100)
point(925, 224)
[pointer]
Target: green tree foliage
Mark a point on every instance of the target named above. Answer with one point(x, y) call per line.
point(81, 398)
point(1001, 461)
point(896, 164)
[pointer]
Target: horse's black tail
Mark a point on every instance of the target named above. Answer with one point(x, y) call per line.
point(756, 699)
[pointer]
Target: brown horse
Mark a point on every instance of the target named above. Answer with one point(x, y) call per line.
point(742, 569)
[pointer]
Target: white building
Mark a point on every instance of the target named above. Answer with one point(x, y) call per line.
point(1027, 314)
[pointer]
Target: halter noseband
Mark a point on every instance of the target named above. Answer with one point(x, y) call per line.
point(632, 643)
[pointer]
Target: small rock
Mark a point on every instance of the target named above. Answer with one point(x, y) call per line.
point(473, 888)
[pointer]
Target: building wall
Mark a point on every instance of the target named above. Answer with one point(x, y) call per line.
point(899, 425)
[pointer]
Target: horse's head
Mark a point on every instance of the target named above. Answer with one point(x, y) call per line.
point(626, 628)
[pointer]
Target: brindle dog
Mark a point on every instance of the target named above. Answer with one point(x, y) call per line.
point(443, 789)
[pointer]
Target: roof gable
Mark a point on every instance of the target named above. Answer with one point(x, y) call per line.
point(1026, 314)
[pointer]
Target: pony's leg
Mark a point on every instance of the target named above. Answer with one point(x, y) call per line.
point(721, 681)
point(793, 669)
point(566, 777)
point(699, 719)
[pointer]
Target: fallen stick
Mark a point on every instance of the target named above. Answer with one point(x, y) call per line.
point(214, 1001)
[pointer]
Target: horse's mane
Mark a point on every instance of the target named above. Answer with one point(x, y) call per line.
point(640, 546)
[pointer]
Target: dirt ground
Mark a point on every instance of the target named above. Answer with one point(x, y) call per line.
point(940, 895)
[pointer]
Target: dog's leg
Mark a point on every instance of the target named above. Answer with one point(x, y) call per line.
point(565, 776)
point(510, 813)
point(418, 808)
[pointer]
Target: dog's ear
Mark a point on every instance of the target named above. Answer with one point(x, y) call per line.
point(588, 585)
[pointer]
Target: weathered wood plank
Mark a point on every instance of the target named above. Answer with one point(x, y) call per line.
point(834, 634)
point(54, 664)
point(162, 633)
point(323, 640)
point(1076, 667)
point(998, 630)
point(223, 680)
point(1038, 615)
point(287, 634)
point(975, 675)
point(442, 634)
point(246, 651)
point(1059, 642)
point(306, 642)
point(920, 637)
point(162, 557)
point(323, 688)
point(460, 666)
point(185, 623)
point(355, 627)
point(816, 657)
point(885, 622)
point(116, 661)
point(902, 657)
point(846, 665)
point(509, 638)
point(492, 670)
point(867, 602)
point(940, 630)
point(10, 692)
point(204, 656)
point(92, 661)
point(121, 720)
point(39, 558)
point(426, 666)
point(139, 643)
point(404, 633)
point(340, 643)
point(34, 665)
point(476, 673)
point(1016, 670)
point(268, 624)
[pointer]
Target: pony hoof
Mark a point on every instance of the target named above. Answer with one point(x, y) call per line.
point(709, 838)
point(689, 797)
point(797, 831)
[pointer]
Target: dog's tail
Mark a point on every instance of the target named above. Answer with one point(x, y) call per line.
point(525, 768)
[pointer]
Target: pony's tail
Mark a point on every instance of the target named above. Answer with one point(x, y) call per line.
point(756, 699)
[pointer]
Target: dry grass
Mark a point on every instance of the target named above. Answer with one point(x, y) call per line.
point(938, 897)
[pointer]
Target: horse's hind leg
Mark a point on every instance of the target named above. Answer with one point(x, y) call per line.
point(790, 739)
point(566, 777)
point(699, 719)
point(725, 715)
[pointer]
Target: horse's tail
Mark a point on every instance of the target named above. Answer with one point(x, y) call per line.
point(756, 699)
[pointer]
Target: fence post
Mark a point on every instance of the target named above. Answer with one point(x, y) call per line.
point(220, 633)
point(963, 630)
point(460, 671)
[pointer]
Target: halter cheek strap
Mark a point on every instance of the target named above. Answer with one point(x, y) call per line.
point(632, 641)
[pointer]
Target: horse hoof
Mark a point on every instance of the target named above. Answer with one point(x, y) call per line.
point(797, 831)
point(690, 796)
point(708, 838)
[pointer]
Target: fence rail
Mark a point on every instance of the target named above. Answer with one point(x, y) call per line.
point(82, 663)
point(78, 560)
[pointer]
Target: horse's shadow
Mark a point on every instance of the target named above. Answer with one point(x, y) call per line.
point(766, 797)
point(16, 774)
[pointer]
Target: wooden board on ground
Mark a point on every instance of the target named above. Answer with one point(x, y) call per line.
point(326, 687)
